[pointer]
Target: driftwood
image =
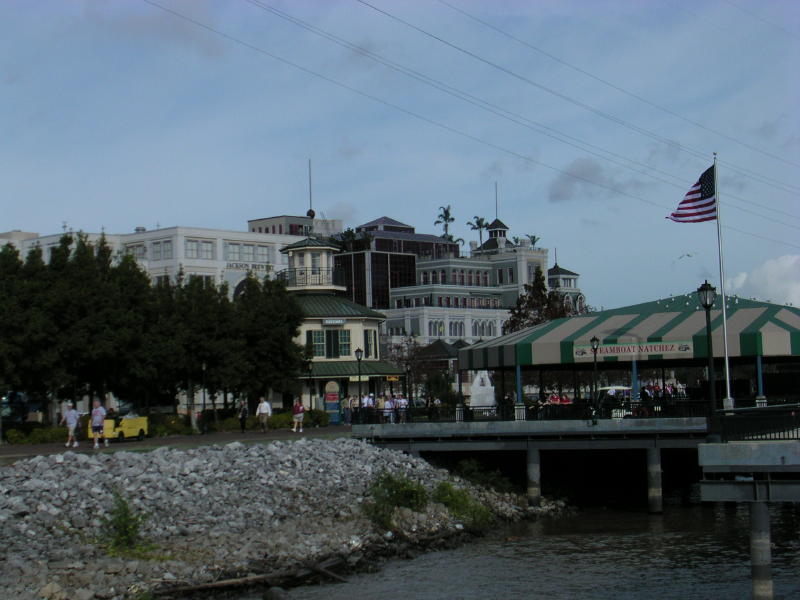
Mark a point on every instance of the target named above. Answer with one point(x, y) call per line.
point(271, 579)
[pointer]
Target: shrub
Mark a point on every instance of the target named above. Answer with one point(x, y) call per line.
point(317, 418)
point(475, 472)
point(169, 424)
point(280, 421)
point(16, 437)
point(463, 506)
point(122, 526)
point(388, 492)
point(47, 434)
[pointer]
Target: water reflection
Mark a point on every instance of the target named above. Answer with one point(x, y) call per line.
point(698, 552)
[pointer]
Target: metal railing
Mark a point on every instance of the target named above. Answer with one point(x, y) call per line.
point(311, 276)
point(781, 422)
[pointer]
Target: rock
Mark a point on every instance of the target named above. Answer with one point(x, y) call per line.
point(83, 594)
point(276, 593)
point(168, 576)
point(53, 591)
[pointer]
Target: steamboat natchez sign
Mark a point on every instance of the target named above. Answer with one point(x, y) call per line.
point(631, 350)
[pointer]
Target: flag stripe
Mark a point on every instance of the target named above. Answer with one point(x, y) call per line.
point(700, 202)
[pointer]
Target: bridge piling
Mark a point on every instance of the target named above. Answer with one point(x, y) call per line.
point(534, 477)
point(655, 502)
point(760, 552)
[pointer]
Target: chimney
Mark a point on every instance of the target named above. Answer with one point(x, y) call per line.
point(140, 229)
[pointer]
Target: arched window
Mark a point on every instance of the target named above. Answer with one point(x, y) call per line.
point(444, 276)
point(474, 329)
point(486, 279)
point(469, 277)
point(461, 278)
point(434, 277)
point(424, 278)
point(490, 332)
point(461, 329)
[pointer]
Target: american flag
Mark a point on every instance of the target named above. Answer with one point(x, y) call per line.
point(700, 202)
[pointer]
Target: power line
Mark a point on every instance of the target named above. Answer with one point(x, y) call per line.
point(613, 85)
point(423, 118)
point(608, 116)
point(762, 19)
point(499, 111)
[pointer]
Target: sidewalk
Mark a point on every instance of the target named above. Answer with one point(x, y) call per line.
point(10, 453)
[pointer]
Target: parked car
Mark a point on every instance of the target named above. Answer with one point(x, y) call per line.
point(129, 427)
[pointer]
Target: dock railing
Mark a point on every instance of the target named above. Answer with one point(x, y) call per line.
point(780, 422)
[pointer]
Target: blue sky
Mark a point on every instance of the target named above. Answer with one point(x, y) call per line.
point(117, 113)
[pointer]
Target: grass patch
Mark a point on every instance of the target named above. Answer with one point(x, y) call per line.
point(389, 492)
point(122, 530)
point(474, 515)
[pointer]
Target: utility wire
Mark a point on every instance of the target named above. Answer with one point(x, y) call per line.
point(608, 116)
point(613, 85)
point(762, 19)
point(424, 119)
point(504, 113)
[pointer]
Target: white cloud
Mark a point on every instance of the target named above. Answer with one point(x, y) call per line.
point(777, 279)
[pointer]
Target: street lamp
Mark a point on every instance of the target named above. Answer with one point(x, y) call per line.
point(310, 370)
point(595, 345)
point(707, 294)
point(359, 356)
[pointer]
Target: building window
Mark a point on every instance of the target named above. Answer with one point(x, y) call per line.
point(318, 342)
point(434, 277)
point(416, 302)
point(344, 342)
point(510, 275)
point(424, 278)
point(262, 254)
point(398, 303)
point(156, 250)
point(486, 279)
point(447, 301)
point(315, 258)
point(208, 280)
point(166, 250)
point(443, 276)
point(367, 343)
point(137, 250)
point(191, 248)
point(461, 278)
point(248, 253)
point(469, 278)
point(234, 252)
point(499, 276)
point(207, 250)
point(161, 280)
point(439, 300)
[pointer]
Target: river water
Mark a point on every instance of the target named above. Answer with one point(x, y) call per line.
point(689, 552)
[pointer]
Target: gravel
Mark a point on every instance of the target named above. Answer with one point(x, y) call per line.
point(211, 512)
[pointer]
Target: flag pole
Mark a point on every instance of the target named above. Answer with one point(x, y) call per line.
point(727, 403)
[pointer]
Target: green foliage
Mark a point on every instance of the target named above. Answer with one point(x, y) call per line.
point(474, 515)
point(535, 306)
point(87, 323)
point(389, 492)
point(280, 421)
point(14, 436)
point(316, 418)
point(123, 525)
point(475, 472)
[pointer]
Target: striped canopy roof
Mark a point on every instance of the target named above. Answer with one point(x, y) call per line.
point(670, 329)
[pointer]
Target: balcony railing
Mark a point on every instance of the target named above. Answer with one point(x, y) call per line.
point(311, 277)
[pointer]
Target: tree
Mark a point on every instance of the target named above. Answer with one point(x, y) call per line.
point(445, 218)
point(533, 239)
point(478, 224)
point(449, 237)
point(536, 305)
point(12, 323)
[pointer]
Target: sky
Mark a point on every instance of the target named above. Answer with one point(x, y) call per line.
point(592, 117)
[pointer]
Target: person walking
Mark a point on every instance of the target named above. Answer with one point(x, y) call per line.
point(98, 424)
point(346, 402)
point(298, 413)
point(263, 412)
point(70, 419)
point(243, 414)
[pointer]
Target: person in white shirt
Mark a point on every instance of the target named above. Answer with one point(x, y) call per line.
point(70, 419)
point(263, 412)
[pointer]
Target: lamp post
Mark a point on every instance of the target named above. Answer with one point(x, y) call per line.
point(707, 294)
point(595, 345)
point(310, 371)
point(204, 398)
point(359, 356)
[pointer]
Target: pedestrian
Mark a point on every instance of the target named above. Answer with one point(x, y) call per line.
point(346, 402)
point(263, 412)
point(98, 424)
point(70, 419)
point(298, 412)
point(243, 414)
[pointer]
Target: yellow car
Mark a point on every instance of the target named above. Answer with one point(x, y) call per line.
point(124, 428)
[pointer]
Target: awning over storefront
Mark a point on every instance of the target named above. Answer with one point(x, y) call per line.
point(344, 369)
point(669, 329)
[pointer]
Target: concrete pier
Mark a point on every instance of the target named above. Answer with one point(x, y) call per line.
point(760, 552)
point(655, 502)
point(534, 477)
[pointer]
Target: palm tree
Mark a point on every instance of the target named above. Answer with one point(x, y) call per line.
point(533, 239)
point(449, 237)
point(479, 224)
point(444, 218)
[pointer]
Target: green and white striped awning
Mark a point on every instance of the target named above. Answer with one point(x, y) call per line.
point(670, 329)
